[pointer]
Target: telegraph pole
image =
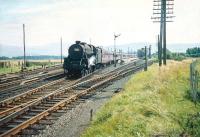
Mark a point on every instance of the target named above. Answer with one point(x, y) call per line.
point(149, 51)
point(161, 31)
point(164, 33)
point(61, 50)
point(159, 55)
point(162, 12)
point(121, 56)
point(24, 42)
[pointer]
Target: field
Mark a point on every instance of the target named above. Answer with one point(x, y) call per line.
point(9, 66)
point(153, 103)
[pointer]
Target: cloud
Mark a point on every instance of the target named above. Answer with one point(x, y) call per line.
point(97, 20)
point(28, 10)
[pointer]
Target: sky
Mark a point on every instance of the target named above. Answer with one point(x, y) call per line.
point(93, 21)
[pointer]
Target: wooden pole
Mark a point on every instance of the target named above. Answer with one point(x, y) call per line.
point(121, 56)
point(159, 54)
point(61, 50)
point(161, 32)
point(164, 33)
point(149, 51)
point(24, 46)
point(91, 114)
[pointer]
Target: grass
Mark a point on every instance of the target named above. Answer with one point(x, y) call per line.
point(13, 69)
point(153, 103)
point(197, 65)
point(15, 65)
point(9, 70)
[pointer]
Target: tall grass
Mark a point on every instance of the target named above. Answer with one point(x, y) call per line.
point(153, 103)
point(15, 65)
point(9, 70)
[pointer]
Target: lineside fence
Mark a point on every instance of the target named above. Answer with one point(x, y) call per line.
point(194, 80)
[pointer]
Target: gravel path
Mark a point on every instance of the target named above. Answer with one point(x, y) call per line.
point(75, 121)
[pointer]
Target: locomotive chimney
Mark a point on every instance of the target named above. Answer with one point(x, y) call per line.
point(78, 42)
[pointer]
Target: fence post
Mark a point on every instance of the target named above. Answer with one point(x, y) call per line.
point(145, 67)
point(192, 81)
point(195, 87)
point(194, 77)
point(91, 114)
point(191, 75)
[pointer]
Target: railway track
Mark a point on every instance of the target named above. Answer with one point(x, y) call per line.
point(21, 88)
point(16, 84)
point(28, 112)
point(12, 104)
point(2, 75)
point(10, 77)
point(29, 84)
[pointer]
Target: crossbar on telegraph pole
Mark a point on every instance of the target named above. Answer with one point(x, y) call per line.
point(162, 13)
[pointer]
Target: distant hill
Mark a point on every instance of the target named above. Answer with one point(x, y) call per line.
point(54, 48)
point(172, 47)
point(15, 50)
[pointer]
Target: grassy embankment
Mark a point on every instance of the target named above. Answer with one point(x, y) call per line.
point(15, 65)
point(153, 103)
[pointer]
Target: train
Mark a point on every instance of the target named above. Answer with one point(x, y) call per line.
point(85, 58)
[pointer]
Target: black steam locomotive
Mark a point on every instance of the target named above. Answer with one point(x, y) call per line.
point(82, 59)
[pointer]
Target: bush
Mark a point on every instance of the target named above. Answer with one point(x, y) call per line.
point(192, 125)
point(176, 56)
